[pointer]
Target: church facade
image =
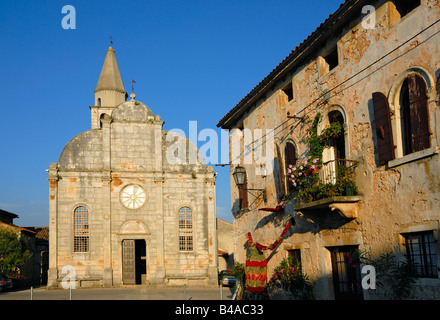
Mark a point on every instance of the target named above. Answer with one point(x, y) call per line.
point(123, 208)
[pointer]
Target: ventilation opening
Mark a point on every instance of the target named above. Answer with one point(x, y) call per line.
point(287, 94)
point(328, 61)
point(332, 59)
point(406, 6)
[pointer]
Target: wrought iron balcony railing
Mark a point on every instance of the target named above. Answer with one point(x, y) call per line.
point(329, 179)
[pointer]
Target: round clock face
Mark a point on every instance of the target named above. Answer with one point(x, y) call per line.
point(133, 196)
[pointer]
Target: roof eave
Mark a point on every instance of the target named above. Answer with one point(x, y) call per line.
point(293, 59)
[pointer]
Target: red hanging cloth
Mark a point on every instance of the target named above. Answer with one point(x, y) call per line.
point(276, 209)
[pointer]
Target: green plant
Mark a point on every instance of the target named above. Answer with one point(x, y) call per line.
point(308, 187)
point(395, 278)
point(333, 131)
point(239, 272)
point(303, 174)
point(317, 142)
point(13, 253)
point(290, 277)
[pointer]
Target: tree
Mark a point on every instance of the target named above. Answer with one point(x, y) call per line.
point(13, 253)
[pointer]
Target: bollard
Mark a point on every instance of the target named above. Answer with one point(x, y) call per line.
point(70, 293)
point(221, 291)
point(184, 292)
point(32, 293)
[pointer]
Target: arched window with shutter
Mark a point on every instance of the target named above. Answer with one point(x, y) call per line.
point(384, 135)
point(414, 114)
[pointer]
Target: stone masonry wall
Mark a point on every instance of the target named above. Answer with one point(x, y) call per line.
point(399, 197)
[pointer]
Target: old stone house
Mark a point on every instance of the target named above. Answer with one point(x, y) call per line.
point(374, 80)
point(124, 209)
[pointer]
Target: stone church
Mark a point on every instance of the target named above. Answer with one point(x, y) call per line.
point(122, 210)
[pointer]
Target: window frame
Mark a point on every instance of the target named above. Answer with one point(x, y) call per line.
point(407, 114)
point(423, 248)
point(395, 116)
point(295, 255)
point(185, 230)
point(81, 226)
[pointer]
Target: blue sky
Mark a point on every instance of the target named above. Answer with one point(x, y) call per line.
point(191, 60)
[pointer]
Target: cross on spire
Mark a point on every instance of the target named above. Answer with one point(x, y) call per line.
point(132, 85)
point(111, 42)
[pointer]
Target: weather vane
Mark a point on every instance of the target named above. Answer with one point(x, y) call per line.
point(111, 42)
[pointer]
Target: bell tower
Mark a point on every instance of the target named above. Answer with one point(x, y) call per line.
point(109, 91)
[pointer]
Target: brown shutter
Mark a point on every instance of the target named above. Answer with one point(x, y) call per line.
point(242, 194)
point(290, 156)
point(282, 175)
point(385, 144)
point(418, 101)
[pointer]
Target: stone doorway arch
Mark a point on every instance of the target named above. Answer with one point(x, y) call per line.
point(134, 238)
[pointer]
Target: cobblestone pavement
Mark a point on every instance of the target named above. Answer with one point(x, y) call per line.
point(126, 293)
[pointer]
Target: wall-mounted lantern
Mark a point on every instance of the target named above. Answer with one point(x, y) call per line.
point(239, 178)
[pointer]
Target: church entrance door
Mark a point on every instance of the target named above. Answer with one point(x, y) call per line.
point(133, 261)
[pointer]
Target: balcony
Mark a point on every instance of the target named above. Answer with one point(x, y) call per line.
point(326, 186)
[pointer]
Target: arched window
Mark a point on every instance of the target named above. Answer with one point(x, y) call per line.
point(402, 122)
point(334, 154)
point(186, 237)
point(99, 102)
point(103, 116)
point(81, 229)
point(284, 185)
point(339, 142)
point(414, 114)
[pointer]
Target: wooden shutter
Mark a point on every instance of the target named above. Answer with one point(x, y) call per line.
point(281, 173)
point(290, 156)
point(243, 195)
point(418, 101)
point(385, 144)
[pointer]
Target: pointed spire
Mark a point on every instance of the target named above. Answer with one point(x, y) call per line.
point(110, 78)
